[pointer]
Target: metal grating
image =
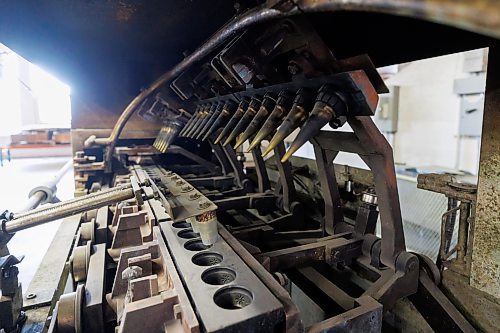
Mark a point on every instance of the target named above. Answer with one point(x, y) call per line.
point(422, 212)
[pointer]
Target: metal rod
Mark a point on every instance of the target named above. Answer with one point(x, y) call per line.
point(67, 208)
point(33, 201)
point(463, 230)
point(40, 194)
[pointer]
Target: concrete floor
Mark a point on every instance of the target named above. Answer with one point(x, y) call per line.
point(17, 178)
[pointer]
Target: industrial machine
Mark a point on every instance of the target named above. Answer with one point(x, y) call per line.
point(184, 232)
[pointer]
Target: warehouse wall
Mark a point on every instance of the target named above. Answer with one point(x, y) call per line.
point(29, 99)
point(429, 115)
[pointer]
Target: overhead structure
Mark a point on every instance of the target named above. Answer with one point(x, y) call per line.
point(176, 228)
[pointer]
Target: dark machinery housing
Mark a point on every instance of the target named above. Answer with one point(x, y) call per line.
point(171, 231)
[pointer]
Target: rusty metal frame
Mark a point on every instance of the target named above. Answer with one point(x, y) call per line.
point(261, 171)
point(479, 15)
point(373, 148)
point(213, 168)
point(286, 186)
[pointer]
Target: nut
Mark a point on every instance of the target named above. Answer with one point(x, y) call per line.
point(187, 188)
point(203, 205)
point(194, 196)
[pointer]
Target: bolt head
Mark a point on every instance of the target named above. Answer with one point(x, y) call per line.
point(203, 204)
point(132, 272)
point(293, 68)
point(194, 196)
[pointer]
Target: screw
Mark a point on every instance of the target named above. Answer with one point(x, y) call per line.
point(203, 205)
point(187, 188)
point(195, 196)
point(293, 68)
point(31, 296)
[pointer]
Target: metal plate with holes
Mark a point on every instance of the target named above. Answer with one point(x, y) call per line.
point(180, 198)
point(225, 292)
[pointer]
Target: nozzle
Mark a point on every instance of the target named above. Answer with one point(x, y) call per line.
point(156, 144)
point(189, 123)
point(240, 111)
point(173, 132)
point(211, 118)
point(244, 121)
point(265, 110)
point(199, 121)
point(166, 136)
point(279, 112)
point(193, 121)
point(329, 104)
point(205, 120)
point(223, 117)
point(295, 118)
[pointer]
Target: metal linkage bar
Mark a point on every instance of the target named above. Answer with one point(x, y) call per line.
point(373, 148)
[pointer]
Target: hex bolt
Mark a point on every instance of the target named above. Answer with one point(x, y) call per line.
point(293, 68)
point(187, 188)
point(194, 196)
point(203, 205)
point(369, 198)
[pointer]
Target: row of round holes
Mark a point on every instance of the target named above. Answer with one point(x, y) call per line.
point(230, 297)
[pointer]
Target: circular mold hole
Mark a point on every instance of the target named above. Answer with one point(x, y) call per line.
point(218, 276)
point(233, 298)
point(181, 225)
point(207, 259)
point(196, 245)
point(188, 234)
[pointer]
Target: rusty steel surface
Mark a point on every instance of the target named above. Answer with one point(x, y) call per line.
point(485, 271)
point(220, 36)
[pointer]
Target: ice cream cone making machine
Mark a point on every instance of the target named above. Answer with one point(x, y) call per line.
point(188, 233)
